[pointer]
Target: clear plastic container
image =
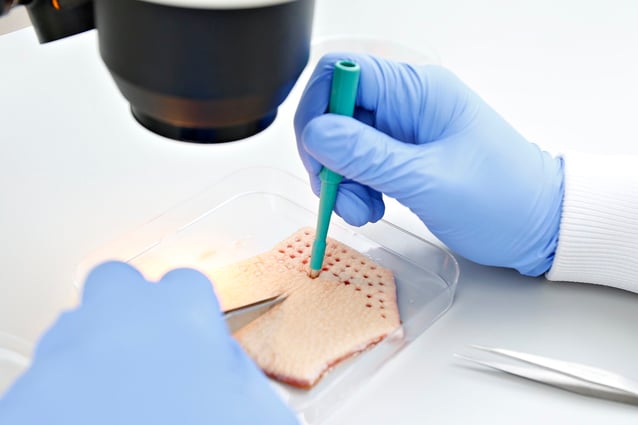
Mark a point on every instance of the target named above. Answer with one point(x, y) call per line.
point(248, 213)
point(14, 359)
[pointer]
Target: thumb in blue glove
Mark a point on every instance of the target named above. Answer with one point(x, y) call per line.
point(136, 352)
point(421, 136)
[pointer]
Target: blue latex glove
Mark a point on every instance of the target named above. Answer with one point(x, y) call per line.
point(136, 352)
point(423, 137)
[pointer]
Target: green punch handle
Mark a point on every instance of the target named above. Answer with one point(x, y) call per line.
point(343, 94)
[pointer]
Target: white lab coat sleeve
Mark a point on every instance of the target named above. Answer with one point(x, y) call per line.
point(598, 235)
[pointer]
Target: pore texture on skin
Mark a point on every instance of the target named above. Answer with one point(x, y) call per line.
point(351, 306)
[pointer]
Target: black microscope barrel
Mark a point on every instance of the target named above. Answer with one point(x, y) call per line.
point(204, 75)
point(55, 19)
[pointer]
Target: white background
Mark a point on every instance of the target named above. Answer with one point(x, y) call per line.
point(77, 171)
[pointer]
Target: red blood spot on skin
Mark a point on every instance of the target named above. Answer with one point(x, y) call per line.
point(337, 259)
point(381, 301)
point(293, 256)
point(369, 283)
point(365, 276)
point(369, 296)
point(380, 283)
point(305, 261)
point(383, 316)
point(369, 305)
point(325, 269)
point(357, 289)
point(346, 282)
point(281, 251)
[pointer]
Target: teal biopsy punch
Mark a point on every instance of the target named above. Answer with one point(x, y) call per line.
point(343, 93)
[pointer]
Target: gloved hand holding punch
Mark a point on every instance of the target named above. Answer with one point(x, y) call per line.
point(421, 136)
point(137, 352)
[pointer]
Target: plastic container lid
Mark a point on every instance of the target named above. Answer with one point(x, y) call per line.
point(14, 359)
point(248, 213)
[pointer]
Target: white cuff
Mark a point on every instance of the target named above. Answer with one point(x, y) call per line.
point(598, 236)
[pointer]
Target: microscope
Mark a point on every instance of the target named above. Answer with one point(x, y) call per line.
point(205, 71)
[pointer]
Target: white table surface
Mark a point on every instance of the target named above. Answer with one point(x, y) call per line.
point(76, 171)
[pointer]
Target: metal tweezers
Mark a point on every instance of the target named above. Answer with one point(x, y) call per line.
point(239, 317)
point(578, 378)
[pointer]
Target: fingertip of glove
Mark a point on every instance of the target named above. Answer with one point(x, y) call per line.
point(108, 278)
point(325, 129)
point(113, 267)
point(315, 184)
point(186, 279)
point(355, 210)
point(191, 285)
